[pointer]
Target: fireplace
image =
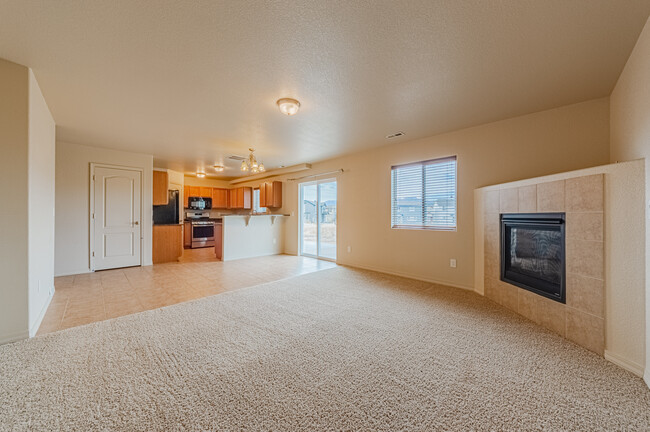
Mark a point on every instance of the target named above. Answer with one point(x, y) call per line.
point(533, 253)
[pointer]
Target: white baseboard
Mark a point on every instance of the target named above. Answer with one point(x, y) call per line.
point(34, 328)
point(13, 337)
point(408, 276)
point(626, 364)
point(646, 378)
point(73, 273)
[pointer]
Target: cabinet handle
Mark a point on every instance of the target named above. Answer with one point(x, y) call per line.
point(136, 223)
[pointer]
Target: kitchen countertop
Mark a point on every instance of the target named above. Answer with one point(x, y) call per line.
point(174, 224)
point(255, 214)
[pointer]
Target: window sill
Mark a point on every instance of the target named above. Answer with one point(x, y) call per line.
point(424, 228)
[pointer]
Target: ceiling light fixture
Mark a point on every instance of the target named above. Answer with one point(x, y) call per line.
point(288, 106)
point(251, 163)
point(218, 168)
point(200, 174)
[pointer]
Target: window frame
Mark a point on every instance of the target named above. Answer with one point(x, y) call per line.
point(426, 227)
point(257, 210)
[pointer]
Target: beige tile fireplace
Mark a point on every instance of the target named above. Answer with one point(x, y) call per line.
point(604, 239)
point(581, 319)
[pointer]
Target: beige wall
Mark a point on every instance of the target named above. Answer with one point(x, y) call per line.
point(41, 205)
point(73, 201)
point(553, 141)
point(27, 196)
point(630, 136)
point(624, 269)
point(207, 182)
point(14, 106)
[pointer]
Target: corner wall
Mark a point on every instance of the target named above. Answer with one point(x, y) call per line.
point(27, 211)
point(603, 245)
point(41, 205)
point(630, 139)
point(14, 223)
point(72, 241)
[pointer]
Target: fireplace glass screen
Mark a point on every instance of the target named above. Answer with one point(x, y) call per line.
point(533, 253)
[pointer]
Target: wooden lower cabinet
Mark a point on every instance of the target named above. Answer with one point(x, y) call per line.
point(187, 235)
point(167, 243)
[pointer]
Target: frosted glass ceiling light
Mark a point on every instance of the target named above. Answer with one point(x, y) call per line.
point(288, 106)
point(200, 174)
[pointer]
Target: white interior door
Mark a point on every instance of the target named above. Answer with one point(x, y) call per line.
point(116, 218)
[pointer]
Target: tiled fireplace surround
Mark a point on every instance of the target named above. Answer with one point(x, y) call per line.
point(581, 319)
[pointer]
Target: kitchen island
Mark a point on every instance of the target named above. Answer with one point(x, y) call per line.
point(249, 236)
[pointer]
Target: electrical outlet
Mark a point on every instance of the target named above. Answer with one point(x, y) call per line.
point(452, 263)
point(349, 249)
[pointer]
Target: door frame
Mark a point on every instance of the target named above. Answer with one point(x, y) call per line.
point(91, 207)
point(300, 212)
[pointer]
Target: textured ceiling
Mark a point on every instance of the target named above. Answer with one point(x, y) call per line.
point(193, 82)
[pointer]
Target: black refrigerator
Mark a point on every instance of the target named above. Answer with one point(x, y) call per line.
point(167, 214)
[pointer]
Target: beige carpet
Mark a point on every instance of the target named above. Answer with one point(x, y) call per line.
point(339, 349)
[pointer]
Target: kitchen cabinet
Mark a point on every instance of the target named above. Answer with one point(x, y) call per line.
point(219, 198)
point(187, 235)
point(195, 191)
point(205, 192)
point(160, 188)
point(167, 243)
point(271, 194)
point(240, 198)
point(186, 196)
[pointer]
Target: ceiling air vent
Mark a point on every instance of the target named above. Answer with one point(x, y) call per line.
point(237, 158)
point(395, 135)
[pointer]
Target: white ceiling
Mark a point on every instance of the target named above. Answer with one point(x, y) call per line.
point(195, 81)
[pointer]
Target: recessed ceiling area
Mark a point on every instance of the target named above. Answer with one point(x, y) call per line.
point(194, 82)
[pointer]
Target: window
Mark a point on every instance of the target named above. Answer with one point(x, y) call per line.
point(256, 202)
point(423, 195)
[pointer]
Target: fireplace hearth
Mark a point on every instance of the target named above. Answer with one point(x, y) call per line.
point(533, 253)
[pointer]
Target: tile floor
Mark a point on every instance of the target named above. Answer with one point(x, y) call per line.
point(91, 297)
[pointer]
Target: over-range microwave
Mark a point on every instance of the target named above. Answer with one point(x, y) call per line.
point(198, 203)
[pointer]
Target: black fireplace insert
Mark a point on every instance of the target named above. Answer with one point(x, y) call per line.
point(533, 253)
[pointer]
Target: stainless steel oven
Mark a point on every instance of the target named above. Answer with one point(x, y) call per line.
point(202, 228)
point(202, 234)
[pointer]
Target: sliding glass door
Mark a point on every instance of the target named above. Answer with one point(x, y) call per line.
point(318, 219)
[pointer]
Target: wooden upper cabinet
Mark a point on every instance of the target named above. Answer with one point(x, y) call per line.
point(241, 198)
point(271, 194)
point(195, 191)
point(205, 192)
point(186, 196)
point(219, 198)
point(160, 188)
